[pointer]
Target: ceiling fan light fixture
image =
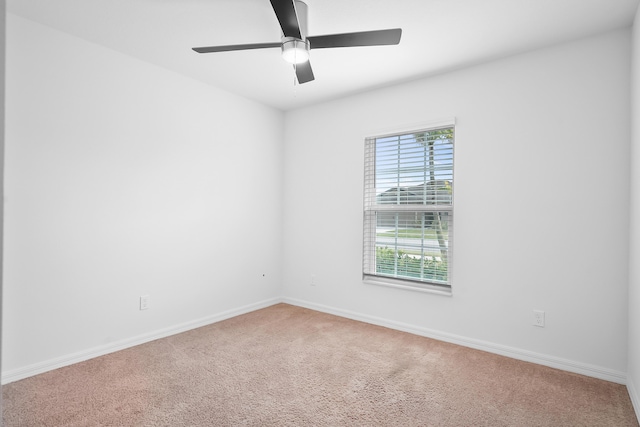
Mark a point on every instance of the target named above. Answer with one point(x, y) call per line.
point(295, 51)
point(296, 44)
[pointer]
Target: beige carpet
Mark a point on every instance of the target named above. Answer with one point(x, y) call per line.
point(289, 366)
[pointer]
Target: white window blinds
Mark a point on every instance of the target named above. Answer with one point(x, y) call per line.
point(408, 207)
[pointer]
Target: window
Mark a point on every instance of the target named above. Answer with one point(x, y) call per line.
point(408, 208)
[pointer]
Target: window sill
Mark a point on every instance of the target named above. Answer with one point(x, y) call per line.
point(379, 281)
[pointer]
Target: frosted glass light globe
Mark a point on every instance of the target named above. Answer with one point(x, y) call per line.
point(295, 51)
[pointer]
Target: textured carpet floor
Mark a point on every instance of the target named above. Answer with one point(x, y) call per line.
point(289, 366)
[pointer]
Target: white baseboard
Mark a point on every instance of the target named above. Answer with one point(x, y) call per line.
point(70, 359)
point(514, 353)
point(635, 398)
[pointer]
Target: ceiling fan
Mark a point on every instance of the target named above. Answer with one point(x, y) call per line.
point(295, 44)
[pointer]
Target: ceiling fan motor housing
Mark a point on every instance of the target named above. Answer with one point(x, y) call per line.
point(302, 13)
point(294, 50)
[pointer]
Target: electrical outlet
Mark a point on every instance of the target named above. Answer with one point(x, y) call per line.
point(313, 280)
point(144, 302)
point(538, 318)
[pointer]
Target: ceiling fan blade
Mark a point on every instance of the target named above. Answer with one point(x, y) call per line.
point(228, 48)
point(304, 73)
point(286, 13)
point(363, 38)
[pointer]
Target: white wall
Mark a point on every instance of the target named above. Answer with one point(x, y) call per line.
point(3, 8)
point(633, 379)
point(541, 204)
point(125, 179)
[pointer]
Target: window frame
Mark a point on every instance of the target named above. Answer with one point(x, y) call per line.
point(370, 204)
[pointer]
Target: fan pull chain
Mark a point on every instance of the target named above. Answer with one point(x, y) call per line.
point(295, 73)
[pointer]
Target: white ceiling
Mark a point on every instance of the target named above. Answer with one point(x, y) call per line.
point(438, 35)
